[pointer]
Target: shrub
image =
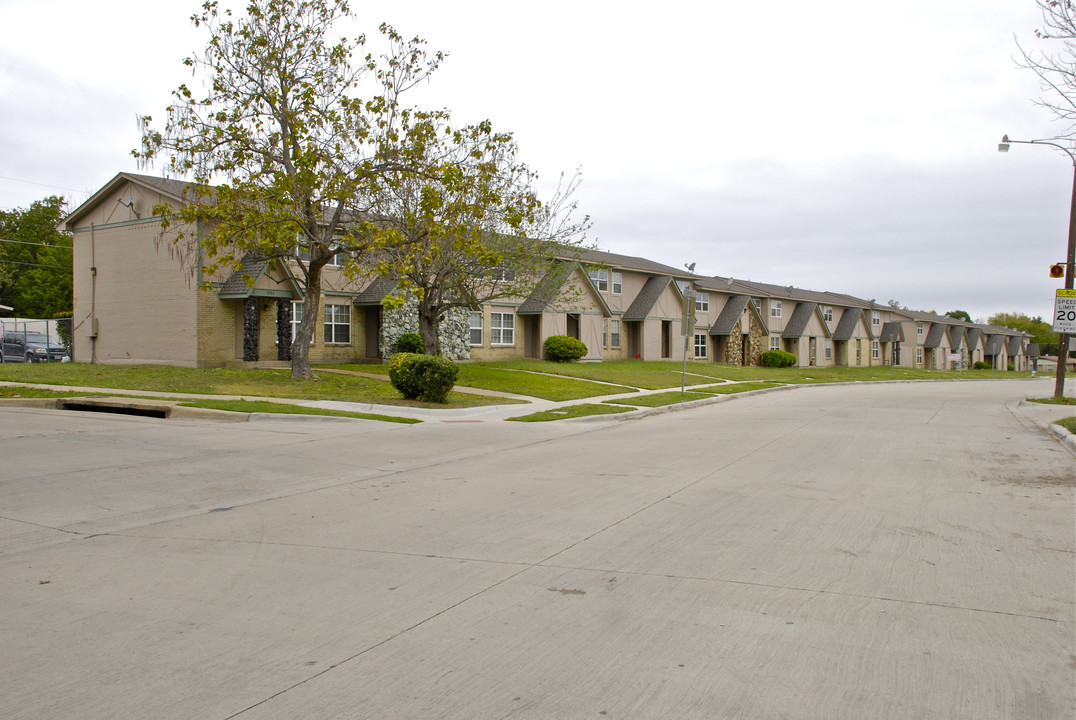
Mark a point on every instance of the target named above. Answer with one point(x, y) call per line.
point(410, 343)
point(422, 377)
point(561, 348)
point(1011, 367)
point(980, 365)
point(778, 359)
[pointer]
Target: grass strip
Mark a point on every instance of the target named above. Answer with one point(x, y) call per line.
point(1068, 423)
point(1054, 400)
point(264, 406)
point(571, 411)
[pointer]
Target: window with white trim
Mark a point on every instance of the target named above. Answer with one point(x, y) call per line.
point(503, 274)
point(876, 350)
point(475, 329)
point(605, 333)
point(758, 304)
point(702, 302)
point(338, 324)
point(618, 283)
point(338, 260)
point(919, 328)
point(700, 345)
point(876, 317)
point(775, 308)
point(775, 342)
point(829, 349)
point(614, 333)
point(297, 319)
point(919, 356)
point(827, 313)
point(599, 278)
point(502, 328)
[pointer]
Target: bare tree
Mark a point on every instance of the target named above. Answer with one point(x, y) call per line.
point(1056, 66)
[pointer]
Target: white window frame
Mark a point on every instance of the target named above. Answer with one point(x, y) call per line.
point(503, 274)
point(599, 278)
point(605, 333)
point(919, 356)
point(827, 313)
point(702, 302)
point(474, 317)
point(919, 328)
point(876, 350)
point(297, 319)
point(876, 317)
point(337, 260)
point(701, 345)
point(829, 349)
point(617, 282)
point(614, 333)
point(775, 308)
point(334, 323)
point(757, 302)
point(775, 342)
point(502, 328)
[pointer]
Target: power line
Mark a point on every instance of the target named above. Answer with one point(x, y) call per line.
point(14, 262)
point(23, 242)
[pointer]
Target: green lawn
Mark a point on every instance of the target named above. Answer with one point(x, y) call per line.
point(219, 381)
point(571, 411)
point(498, 377)
point(1067, 423)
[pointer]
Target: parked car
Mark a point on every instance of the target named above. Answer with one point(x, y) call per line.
point(19, 346)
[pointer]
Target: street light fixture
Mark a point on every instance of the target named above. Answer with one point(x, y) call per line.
point(1063, 338)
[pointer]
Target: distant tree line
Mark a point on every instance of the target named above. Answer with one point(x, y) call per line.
point(35, 260)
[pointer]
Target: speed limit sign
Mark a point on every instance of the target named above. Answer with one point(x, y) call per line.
point(1065, 312)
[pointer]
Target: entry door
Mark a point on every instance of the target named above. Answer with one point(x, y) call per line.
point(573, 326)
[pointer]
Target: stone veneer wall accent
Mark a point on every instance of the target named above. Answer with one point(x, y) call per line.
point(455, 330)
point(250, 329)
point(283, 330)
point(758, 342)
point(734, 346)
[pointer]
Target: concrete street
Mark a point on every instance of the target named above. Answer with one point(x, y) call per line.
point(901, 550)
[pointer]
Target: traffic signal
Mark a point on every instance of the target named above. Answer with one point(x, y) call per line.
point(1057, 270)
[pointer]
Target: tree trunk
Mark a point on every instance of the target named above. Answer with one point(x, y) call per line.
point(300, 347)
point(429, 325)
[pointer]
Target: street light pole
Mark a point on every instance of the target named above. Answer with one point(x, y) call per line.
point(1063, 338)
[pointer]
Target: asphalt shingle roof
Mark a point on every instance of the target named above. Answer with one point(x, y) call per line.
point(846, 326)
point(378, 289)
point(891, 332)
point(935, 336)
point(730, 315)
point(798, 322)
point(956, 335)
point(646, 299)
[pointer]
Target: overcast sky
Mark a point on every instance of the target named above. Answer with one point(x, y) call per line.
point(834, 145)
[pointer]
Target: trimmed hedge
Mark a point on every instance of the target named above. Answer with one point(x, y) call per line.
point(777, 359)
point(410, 343)
point(980, 365)
point(422, 377)
point(561, 348)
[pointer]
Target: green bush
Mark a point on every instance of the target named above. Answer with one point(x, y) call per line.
point(777, 359)
point(980, 365)
point(410, 343)
point(561, 348)
point(1011, 367)
point(422, 377)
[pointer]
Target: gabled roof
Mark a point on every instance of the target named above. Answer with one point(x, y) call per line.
point(1033, 350)
point(549, 286)
point(957, 334)
point(973, 337)
point(731, 313)
point(242, 283)
point(1015, 345)
point(173, 189)
point(797, 324)
point(995, 344)
point(935, 335)
point(892, 332)
point(846, 326)
point(648, 297)
point(378, 289)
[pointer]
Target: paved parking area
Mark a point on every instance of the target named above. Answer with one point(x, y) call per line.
point(900, 550)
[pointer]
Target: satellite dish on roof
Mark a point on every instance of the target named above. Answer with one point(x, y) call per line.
point(690, 268)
